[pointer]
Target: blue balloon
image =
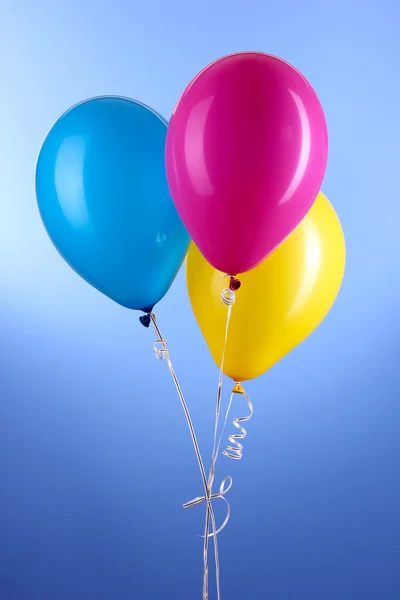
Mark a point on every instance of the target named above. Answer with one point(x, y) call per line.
point(103, 196)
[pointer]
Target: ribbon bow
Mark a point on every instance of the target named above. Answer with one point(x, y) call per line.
point(223, 489)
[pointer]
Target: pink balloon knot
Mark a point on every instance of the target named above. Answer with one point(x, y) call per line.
point(234, 284)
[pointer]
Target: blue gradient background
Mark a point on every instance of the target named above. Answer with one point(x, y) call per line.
point(95, 458)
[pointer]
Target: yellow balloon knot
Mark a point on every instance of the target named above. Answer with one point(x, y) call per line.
point(237, 389)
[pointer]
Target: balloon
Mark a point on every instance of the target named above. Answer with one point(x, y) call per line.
point(246, 154)
point(279, 303)
point(103, 197)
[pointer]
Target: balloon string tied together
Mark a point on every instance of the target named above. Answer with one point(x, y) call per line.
point(162, 353)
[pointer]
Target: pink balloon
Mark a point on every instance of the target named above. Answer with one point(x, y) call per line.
point(246, 154)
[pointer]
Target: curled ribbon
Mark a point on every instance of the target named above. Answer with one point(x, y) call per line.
point(161, 350)
point(235, 451)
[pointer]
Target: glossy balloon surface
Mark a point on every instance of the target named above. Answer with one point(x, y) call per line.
point(103, 196)
point(246, 154)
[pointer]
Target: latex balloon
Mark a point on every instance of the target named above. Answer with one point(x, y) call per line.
point(279, 303)
point(103, 197)
point(246, 154)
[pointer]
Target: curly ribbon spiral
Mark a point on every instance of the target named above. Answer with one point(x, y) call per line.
point(161, 350)
point(235, 451)
point(162, 353)
point(228, 296)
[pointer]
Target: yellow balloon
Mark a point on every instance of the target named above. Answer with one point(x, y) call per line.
point(280, 302)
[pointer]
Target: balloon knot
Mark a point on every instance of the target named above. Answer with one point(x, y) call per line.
point(237, 389)
point(145, 320)
point(234, 284)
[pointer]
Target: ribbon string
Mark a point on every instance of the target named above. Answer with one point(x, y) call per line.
point(228, 297)
point(161, 349)
point(233, 451)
